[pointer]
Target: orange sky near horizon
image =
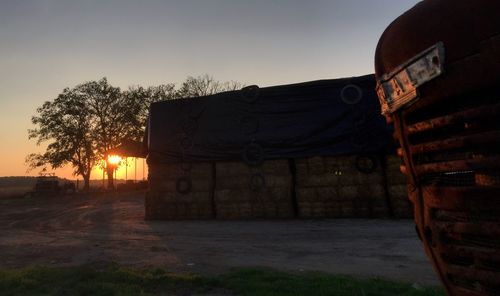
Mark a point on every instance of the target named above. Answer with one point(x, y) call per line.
point(48, 45)
point(136, 169)
point(129, 172)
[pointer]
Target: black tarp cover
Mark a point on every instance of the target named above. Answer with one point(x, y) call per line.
point(318, 118)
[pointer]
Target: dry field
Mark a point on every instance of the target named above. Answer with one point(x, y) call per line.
point(14, 192)
point(72, 231)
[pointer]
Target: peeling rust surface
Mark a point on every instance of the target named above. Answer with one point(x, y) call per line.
point(449, 138)
point(453, 160)
point(458, 117)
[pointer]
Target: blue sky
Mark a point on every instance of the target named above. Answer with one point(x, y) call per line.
point(48, 45)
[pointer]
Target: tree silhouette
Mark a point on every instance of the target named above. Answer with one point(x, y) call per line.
point(111, 122)
point(66, 123)
point(138, 100)
point(205, 85)
point(86, 121)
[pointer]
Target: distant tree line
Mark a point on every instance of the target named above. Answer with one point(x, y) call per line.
point(85, 121)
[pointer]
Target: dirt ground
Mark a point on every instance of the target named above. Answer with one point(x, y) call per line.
point(99, 229)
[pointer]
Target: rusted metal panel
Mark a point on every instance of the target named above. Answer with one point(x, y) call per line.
point(467, 252)
point(458, 117)
point(462, 198)
point(459, 165)
point(450, 137)
point(486, 138)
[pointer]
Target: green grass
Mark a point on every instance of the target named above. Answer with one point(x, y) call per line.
point(116, 280)
point(266, 282)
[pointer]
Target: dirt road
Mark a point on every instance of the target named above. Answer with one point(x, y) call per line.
point(79, 230)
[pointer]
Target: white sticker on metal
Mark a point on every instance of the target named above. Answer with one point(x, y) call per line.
point(399, 88)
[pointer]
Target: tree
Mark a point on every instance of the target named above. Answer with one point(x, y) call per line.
point(82, 123)
point(138, 100)
point(66, 123)
point(85, 122)
point(205, 85)
point(111, 121)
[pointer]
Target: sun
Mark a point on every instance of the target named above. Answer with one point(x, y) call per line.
point(114, 160)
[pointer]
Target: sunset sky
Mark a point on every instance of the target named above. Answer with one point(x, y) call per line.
point(48, 45)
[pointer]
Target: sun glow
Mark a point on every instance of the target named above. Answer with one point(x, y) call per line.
point(128, 169)
point(114, 160)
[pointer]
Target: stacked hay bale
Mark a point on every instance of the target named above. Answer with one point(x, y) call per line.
point(263, 191)
point(397, 188)
point(180, 191)
point(342, 186)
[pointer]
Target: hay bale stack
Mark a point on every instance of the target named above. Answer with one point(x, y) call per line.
point(397, 188)
point(331, 187)
point(171, 199)
point(244, 192)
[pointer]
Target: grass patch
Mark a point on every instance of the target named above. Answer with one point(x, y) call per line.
point(116, 280)
point(266, 282)
point(86, 280)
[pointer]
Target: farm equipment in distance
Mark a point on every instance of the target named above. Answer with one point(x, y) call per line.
point(49, 185)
